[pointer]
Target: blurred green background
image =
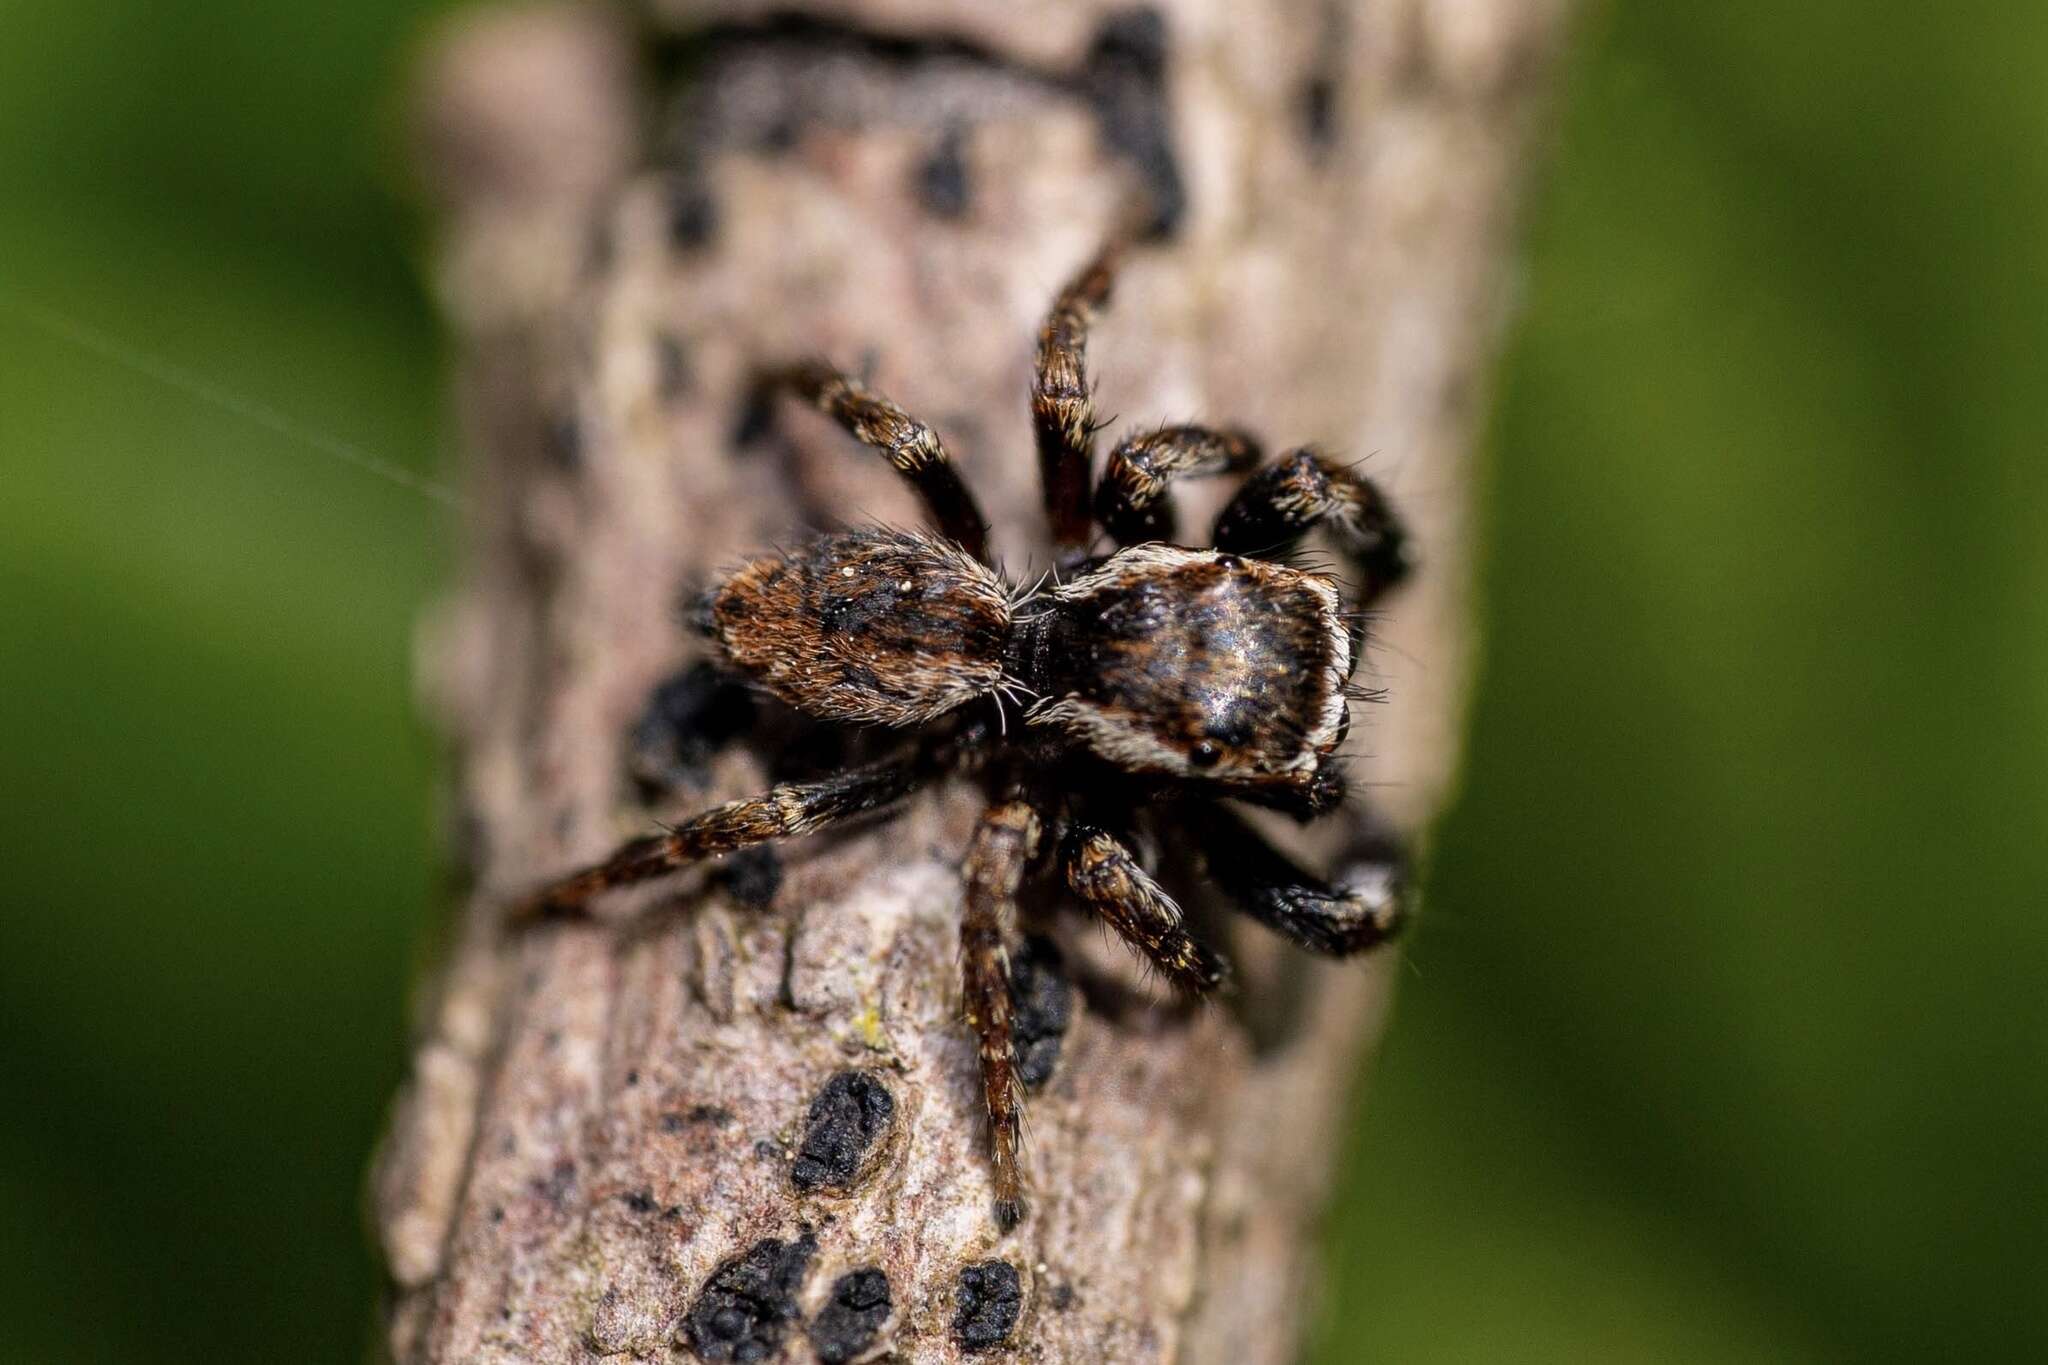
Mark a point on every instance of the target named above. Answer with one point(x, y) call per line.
point(1727, 1033)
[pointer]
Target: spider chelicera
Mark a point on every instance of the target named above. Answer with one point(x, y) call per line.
point(1157, 677)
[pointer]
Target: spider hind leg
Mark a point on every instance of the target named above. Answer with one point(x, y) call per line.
point(1132, 501)
point(781, 812)
point(912, 449)
point(1104, 874)
point(1002, 847)
point(1335, 919)
point(1062, 407)
point(1302, 490)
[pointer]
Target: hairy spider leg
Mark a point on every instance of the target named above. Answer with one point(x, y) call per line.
point(1132, 501)
point(1003, 844)
point(782, 812)
point(1335, 920)
point(912, 448)
point(1303, 489)
point(1062, 408)
point(1104, 873)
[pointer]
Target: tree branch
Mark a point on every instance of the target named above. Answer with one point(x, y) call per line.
point(697, 1124)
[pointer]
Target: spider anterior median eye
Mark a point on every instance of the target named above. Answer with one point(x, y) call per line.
point(1206, 754)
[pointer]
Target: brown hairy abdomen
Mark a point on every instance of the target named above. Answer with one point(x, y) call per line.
point(886, 627)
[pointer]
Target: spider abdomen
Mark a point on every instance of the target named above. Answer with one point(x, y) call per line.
point(876, 626)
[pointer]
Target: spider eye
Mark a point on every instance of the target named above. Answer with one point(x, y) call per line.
point(1206, 754)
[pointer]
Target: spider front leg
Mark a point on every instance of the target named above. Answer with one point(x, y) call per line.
point(1131, 501)
point(781, 812)
point(1105, 875)
point(1003, 845)
point(1282, 502)
point(1062, 408)
point(913, 449)
point(1336, 920)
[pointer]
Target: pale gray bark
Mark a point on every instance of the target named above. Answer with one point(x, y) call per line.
point(600, 1115)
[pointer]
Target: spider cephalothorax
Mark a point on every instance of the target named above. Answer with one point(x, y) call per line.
point(1156, 677)
point(1195, 664)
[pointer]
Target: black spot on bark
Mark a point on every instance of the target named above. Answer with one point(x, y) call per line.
point(1318, 112)
point(1042, 1003)
point(554, 1187)
point(942, 183)
point(692, 213)
point(640, 1201)
point(987, 1300)
point(748, 1303)
point(563, 441)
point(1316, 103)
point(851, 1319)
point(781, 134)
point(1124, 79)
point(689, 717)
point(754, 423)
point(752, 876)
point(846, 1118)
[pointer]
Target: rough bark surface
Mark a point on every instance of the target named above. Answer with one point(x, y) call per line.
point(595, 1154)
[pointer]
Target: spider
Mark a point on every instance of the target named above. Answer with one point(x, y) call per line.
point(1158, 675)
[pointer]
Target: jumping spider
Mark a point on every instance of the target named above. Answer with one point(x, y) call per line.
point(1158, 675)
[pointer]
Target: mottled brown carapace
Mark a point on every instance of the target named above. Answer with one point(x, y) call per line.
point(1154, 681)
